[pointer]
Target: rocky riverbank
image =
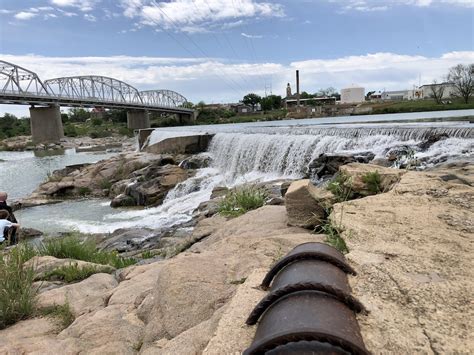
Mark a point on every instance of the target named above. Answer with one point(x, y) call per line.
point(410, 240)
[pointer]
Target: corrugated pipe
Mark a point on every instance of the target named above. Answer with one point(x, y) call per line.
point(309, 308)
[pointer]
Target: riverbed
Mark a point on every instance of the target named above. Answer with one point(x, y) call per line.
point(260, 151)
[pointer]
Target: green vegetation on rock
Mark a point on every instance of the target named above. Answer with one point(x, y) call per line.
point(341, 187)
point(72, 247)
point(62, 313)
point(71, 273)
point(241, 201)
point(17, 294)
point(373, 182)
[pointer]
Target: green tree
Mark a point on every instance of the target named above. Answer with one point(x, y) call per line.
point(252, 100)
point(462, 78)
point(305, 95)
point(329, 92)
point(79, 115)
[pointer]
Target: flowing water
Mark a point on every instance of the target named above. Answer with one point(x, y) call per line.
point(260, 152)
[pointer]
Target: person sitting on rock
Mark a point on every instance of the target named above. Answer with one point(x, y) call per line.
point(11, 217)
point(7, 227)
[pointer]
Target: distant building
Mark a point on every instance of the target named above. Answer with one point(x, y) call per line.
point(397, 95)
point(427, 90)
point(352, 95)
point(241, 108)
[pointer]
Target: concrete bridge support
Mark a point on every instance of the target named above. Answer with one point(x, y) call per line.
point(184, 118)
point(138, 119)
point(46, 124)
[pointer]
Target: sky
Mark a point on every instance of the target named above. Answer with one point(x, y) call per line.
point(219, 50)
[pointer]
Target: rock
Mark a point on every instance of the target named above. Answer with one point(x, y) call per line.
point(356, 172)
point(414, 266)
point(397, 153)
point(219, 191)
point(43, 265)
point(83, 297)
point(156, 183)
point(124, 240)
point(328, 164)
point(382, 162)
point(29, 233)
point(432, 139)
point(197, 161)
point(306, 204)
point(123, 200)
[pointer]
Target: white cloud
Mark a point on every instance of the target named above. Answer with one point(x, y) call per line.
point(250, 36)
point(24, 15)
point(90, 17)
point(192, 15)
point(4, 11)
point(83, 5)
point(382, 5)
point(212, 80)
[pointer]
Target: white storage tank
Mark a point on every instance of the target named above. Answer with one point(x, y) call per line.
point(352, 95)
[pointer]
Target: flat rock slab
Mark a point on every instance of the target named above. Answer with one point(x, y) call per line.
point(412, 249)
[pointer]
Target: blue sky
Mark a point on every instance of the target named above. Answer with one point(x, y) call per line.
point(219, 50)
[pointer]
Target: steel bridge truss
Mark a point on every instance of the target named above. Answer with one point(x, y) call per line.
point(26, 87)
point(15, 79)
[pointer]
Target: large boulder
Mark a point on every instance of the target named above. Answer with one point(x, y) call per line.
point(359, 173)
point(83, 297)
point(153, 186)
point(306, 204)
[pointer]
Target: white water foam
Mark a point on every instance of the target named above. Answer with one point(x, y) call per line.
point(240, 157)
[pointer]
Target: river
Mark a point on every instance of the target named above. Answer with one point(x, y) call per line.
point(260, 151)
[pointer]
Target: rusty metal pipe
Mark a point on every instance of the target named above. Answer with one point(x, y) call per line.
point(312, 251)
point(308, 316)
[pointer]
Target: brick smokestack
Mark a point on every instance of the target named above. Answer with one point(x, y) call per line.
point(298, 88)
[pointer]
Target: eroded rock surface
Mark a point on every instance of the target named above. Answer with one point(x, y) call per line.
point(412, 248)
point(195, 301)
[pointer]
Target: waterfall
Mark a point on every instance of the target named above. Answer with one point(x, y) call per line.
point(275, 155)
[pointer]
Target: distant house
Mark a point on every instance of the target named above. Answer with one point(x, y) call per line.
point(448, 90)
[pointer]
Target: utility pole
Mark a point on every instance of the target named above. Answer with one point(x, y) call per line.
point(297, 88)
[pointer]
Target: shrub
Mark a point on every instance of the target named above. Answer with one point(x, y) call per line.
point(97, 121)
point(341, 187)
point(17, 294)
point(241, 201)
point(84, 191)
point(372, 181)
point(333, 237)
point(105, 184)
point(70, 273)
point(71, 247)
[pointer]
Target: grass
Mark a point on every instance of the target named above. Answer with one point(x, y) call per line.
point(373, 182)
point(241, 201)
point(238, 282)
point(333, 237)
point(71, 273)
point(17, 294)
point(341, 187)
point(105, 184)
point(84, 191)
point(62, 313)
point(72, 247)
point(420, 106)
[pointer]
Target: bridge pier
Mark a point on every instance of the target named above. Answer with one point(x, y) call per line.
point(46, 124)
point(138, 119)
point(184, 118)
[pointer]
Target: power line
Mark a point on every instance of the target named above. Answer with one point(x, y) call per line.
point(197, 46)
